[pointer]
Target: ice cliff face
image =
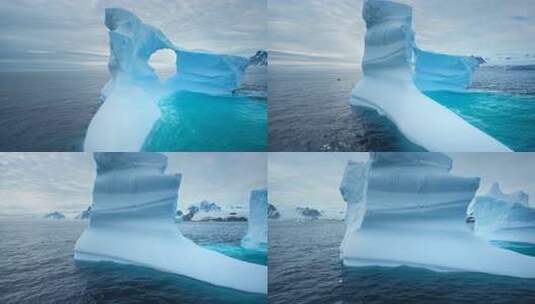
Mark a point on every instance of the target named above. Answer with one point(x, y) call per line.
point(132, 222)
point(389, 77)
point(441, 72)
point(408, 209)
point(504, 217)
point(256, 237)
point(131, 97)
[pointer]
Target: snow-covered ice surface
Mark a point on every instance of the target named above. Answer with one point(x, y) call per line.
point(389, 83)
point(256, 237)
point(132, 222)
point(503, 217)
point(130, 107)
point(408, 209)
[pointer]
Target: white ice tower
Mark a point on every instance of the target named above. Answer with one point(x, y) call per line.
point(132, 222)
point(256, 237)
point(408, 209)
point(503, 217)
point(393, 66)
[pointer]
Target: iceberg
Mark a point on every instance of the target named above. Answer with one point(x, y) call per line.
point(503, 217)
point(256, 237)
point(132, 222)
point(130, 108)
point(409, 209)
point(391, 78)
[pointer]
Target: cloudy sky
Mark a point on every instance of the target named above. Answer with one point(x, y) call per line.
point(312, 179)
point(332, 31)
point(59, 33)
point(37, 183)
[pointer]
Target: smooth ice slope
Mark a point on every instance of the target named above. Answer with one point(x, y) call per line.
point(131, 97)
point(414, 214)
point(388, 87)
point(256, 237)
point(503, 217)
point(132, 222)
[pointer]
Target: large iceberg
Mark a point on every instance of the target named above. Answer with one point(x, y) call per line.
point(409, 209)
point(256, 237)
point(393, 70)
point(130, 107)
point(132, 222)
point(503, 217)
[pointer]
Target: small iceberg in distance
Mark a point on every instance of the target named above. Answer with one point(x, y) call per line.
point(499, 216)
point(131, 107)
point(132, 222)
point(256, 237)
point(409, 209)
point(395, 72)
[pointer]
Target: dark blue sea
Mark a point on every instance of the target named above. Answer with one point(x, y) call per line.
point(309, 110)
point(51, 111)
point(48, 110)
point(304, 267)
point(37, 266)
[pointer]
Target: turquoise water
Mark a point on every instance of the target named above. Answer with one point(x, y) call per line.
point(199, 122)
point(240, 253)
point(507, 117)
point(523, 248)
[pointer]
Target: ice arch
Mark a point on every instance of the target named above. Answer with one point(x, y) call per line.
point(132, 222)
point(388, 83)
point(164, 64)
point(131, 97)
point(408, 209)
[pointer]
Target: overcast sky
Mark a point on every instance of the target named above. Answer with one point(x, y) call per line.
point(332, 31)
point(37, 183)
point(312, 179)
point(58, 33)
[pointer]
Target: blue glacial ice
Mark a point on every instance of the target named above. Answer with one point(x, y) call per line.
point(395, 71)
point(499, 216)
point(256, 237)
point(409, 209)
point(132, 222)
point(130, 108)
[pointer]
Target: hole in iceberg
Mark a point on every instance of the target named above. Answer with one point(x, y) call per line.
point(164, 63)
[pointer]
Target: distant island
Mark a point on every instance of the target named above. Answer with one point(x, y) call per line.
point(54, 216)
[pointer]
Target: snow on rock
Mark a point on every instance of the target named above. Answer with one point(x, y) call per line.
point(254, 81)
point(130, 107)
point(84, 215)
point(132, 222)
point(256, 237)
point(388, 87)
point(211, 211)
point(415, 214)
point(273, 213)
point(504, 217)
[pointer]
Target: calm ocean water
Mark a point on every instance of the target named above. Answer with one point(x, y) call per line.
point(48, 110)
point(37, 266)
point(304, 267)
point(51, 110)
point(309, 110)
